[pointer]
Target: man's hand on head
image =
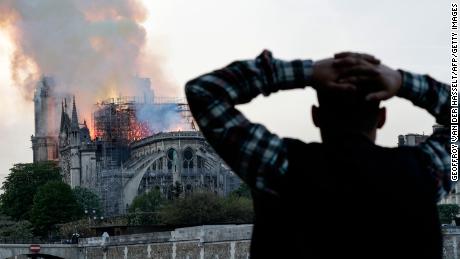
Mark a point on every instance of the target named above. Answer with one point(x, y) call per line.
point(327, 72)
point(358, 70)
point(326, 76)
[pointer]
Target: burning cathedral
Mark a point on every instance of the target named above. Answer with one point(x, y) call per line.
point(133, 144)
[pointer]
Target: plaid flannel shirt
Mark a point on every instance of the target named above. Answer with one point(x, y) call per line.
point(434, 96)
point(258, 156)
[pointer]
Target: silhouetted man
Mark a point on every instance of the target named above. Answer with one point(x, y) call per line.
point(345, 197)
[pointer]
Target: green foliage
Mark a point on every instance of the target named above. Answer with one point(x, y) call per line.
point(448, 212)
point(81, 226)
point(54, 203)
point(139, 218)
point(84, 226)
point(177, 190)
point(21, 185)
point(207, 208)
point(238, 210)
point(196, 209)
point(147, 202)
point(242, 191)
point(13, 231)
point(144, 209)
point(87, 200)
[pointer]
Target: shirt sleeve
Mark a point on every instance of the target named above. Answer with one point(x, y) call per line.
point(434, 96)
point(258, 156)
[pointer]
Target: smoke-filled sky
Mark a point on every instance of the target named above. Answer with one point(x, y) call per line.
point(82, 42)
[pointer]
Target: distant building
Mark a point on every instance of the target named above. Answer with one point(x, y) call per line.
point(411, 139)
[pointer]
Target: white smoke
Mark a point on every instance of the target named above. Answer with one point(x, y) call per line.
point(93, 49)
point(161, 117)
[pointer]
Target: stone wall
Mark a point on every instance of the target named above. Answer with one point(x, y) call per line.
point(216, 241)
point(451, 246)
point(201, 242)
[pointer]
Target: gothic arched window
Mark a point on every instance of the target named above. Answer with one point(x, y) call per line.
point(160, 163)
point(200, 162)
point(172, 159)
point(188, 158)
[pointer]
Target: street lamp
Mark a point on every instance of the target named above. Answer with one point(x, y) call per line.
point(92, 214)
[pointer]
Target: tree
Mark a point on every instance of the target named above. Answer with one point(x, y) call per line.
point(54, 203)
point(145, 207)
point(448, 212)
point(21, 185)
point(194, 209)
point(207, 208)
point(13, 231)
point(87, 200)
point(147, 202)
point(238, 210)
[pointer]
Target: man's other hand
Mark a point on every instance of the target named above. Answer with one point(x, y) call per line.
point(327, 72)
point(326, 76)
point(359, 70)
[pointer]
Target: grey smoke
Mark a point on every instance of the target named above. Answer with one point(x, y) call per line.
point(92, 49)
point(160, 117)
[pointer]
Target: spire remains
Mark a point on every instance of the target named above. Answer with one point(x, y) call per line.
point(74, 122)
point(61, 127)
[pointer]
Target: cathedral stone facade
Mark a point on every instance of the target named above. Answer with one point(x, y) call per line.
point(117, 170)
point(77, 153)
point(181, 160)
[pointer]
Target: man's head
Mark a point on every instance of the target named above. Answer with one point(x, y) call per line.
point(350, 87)
point(344, 112)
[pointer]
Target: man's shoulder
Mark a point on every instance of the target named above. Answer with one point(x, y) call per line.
point(297, 143)
point(404, 152)
point(398, 155)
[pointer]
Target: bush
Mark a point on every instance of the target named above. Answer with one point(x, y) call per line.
point(145, 207)
point(207, 208)
point(87, 200)
point(447, 212)
point(238, 210)
point(138, 218)
point(242, 191)
point(14, 231)
point(147, 202)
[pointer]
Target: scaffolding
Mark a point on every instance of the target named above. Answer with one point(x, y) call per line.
point(116, 125)
point(184, 111)
point(115, 121)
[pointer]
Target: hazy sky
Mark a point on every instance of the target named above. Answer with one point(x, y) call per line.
point(194, 37)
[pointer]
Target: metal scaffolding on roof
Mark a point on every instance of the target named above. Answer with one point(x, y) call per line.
point(116, 125)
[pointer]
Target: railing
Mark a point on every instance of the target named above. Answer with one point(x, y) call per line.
point(140, 99)
point(32, 241)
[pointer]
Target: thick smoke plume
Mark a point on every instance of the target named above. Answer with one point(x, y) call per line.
point(92, 49)
point(161, 117)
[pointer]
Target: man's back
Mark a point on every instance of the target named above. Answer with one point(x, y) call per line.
point(351, 199)
point(347, 198)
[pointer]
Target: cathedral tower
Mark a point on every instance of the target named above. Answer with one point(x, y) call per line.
point(75, 141)
point(44, 142)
